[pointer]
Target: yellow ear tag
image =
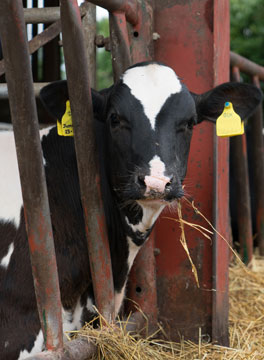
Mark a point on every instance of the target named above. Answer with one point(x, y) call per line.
point(65, 127)
point(229, 122)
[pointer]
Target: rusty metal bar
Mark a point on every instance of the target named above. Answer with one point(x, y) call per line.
point(89, 31)
point(258, 169)
point(36, 86)
point(129, 7)
point(142, 280)
point(43, 38)
point(81, 105)
point(119, 43)
point(142, 285)
point(238, 152)
point(44, 15)
point(32, 176)
point(246, 65)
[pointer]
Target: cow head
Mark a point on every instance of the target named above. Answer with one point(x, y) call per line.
point(148, 117)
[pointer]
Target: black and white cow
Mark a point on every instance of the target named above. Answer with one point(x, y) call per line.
point(144, 127)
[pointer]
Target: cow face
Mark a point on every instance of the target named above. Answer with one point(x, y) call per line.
point(148, 117)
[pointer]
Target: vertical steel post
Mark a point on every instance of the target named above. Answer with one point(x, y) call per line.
point(142, 284)
point(238, 152)
point(258, 169)
point(30, 161)
point(89, 31)
point(119, 43)
point(82, 113)
point(192, 37)
point(220, 250)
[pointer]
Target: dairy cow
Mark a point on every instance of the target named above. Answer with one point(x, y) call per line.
point(143, 126)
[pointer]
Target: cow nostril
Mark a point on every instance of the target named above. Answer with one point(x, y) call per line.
point(141, 181)
point(169, 184)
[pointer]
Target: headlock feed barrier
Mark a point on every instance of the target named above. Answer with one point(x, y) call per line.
point(197, 47)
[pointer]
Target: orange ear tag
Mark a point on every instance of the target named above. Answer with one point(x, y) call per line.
point(229, 122)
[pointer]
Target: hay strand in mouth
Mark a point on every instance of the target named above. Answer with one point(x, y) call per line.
point(184, 243)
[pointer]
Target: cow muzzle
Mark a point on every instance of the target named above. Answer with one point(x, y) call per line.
point(160, 187)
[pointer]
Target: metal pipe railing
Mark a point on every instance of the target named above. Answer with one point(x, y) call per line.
point(82, 113)
point(257, 160)
point(36, 88)
point(129, 7)
point(239, 63)
point(239, 162)
point(32, 176)
point(44, 15)
point(246, 66)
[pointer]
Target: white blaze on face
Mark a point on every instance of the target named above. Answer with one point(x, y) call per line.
point(156, 181)
point(152, 85)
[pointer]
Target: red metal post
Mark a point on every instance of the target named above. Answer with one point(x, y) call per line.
point(36, 207)
point(129, 7)
point(221, 252)
point(142, 282)
point(193, 39)
point(81, 106)
point(121, 59)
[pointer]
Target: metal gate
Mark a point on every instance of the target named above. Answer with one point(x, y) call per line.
point(193, 38)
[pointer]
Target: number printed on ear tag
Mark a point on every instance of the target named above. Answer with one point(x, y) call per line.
point(229, 122)
point(65, 128)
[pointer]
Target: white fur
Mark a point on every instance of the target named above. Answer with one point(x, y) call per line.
point(6, 259)
point(119, 297)
point(156, 180)
point(72, 319)
point(38, 345)
point(132, 252)
point(152, 85)
point(10, 188)
point(151, 211)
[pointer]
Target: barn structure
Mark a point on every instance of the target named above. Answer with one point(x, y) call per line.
point(191, 36)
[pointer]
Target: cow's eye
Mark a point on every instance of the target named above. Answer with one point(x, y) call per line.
point(115, 120)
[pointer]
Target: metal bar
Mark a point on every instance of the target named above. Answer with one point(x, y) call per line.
point(142, 280)
point(44, 15)
point(258, 169)
point(142, 286)
point(36, 86)
point(89, 31)
point(220, 250)
point(246, 65)
point(141, 34)
point(51, 55)
point(238, 152)
point(119, 43)
point(38, 41)
point(32, 176)
point(129, 7)
point(81, 105)
point(43, 38)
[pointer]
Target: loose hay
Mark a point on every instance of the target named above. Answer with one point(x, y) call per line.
point(246, 322)
point(246, 328)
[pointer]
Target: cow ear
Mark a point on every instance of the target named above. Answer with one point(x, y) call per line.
point(244, 97)
point(54, 97)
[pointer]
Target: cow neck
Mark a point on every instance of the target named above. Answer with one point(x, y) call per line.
point(140, 218)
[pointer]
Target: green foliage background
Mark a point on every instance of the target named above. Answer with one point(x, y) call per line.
point(247, 29)
point(104, 76)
